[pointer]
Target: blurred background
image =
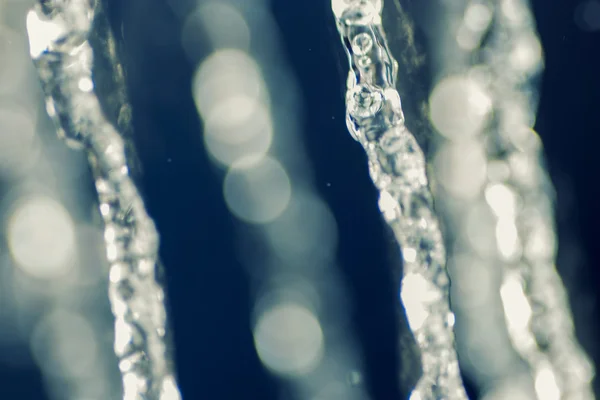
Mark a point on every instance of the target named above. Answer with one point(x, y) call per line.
point(227, 222)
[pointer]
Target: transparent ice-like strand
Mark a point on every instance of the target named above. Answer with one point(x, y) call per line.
point(500, 35)
point(547, 340)
point(397, 167)
point(59, 32)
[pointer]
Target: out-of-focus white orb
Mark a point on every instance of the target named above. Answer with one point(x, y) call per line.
point(257, 189)
point(289, 339)
point(41, 237)
point(459, 107)
point(64, 344)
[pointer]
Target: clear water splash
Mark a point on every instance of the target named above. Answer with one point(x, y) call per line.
point(59, 33)
point(397, 167)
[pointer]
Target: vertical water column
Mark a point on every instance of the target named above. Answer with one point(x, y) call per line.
point(460, 111)
point(546, 339)
point(491, 77)
point(60, 36)
point(397, 167)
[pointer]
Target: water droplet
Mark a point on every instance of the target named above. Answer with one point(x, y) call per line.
point(364, 101)
point(362, 44)
point(356, 12)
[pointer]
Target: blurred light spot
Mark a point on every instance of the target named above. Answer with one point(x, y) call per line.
point(541, 242)
point(289, 339)
point(478, 16)
point(291, 288)
point(587, 15)
point(18, 148)
point(410, 255)
point(112, 252)
point(85, 85)
point(169, 389)
point(227, 154)
point(515, 10)
point(223, 74)
point(387, 205)
point(133, 384)
point(14, 61)
point(526, 54)
point(507, 238)
point(516, 306)
point(461, 169)
point(232, 99)
point(306, 230)
point(481, 74)
point(502, 200)
point(459, 107)
point(476, 21)
point(257, 190)
point(64, 344)
point(417, 293)
point(545, 384)
point(451, 320)
point(524, 168)
point(118, 272)
point(124, 333)
point(41, 237)
point(221, 22)
point(238, 119)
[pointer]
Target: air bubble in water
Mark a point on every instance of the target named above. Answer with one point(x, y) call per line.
point(364, 101)
point(364, 62)
point(362, 44)
point(356, 12)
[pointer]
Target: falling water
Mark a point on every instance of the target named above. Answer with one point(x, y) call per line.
point(60, 35)
point(397, 167)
